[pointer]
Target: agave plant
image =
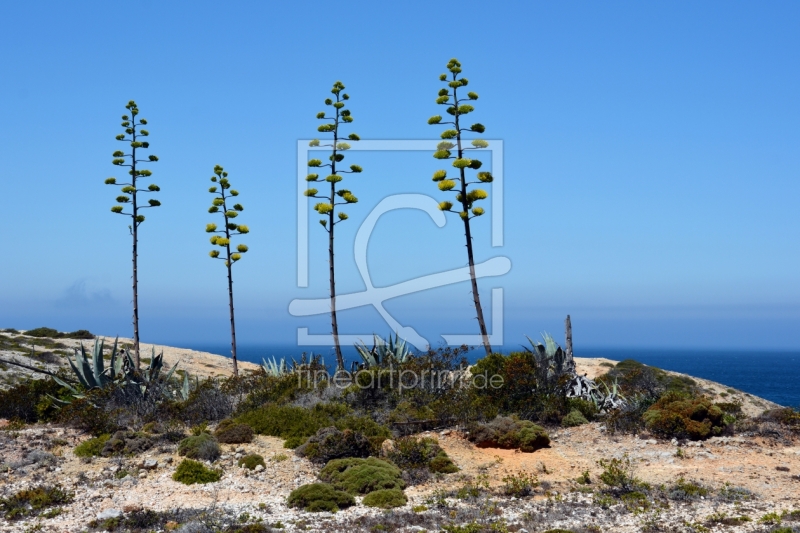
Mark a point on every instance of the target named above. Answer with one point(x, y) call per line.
point(586, 389)
point(91, 372)
point(275, 369)
point(383, 352)
point(551, 356)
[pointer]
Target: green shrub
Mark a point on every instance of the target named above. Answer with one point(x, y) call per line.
point(637, 379)
point(364, 425)
point(42, 333)
point(520, 485)
point(509, 433)
point(31, 502)
point(574, 418)
point(442, 464)
point(90, 414)
point(295, 424)
point(416, 453)
point(31, 400)
point(588, 409)
point(618, 474)
point(528, 386)
point(92, 447)
point(385, 499)
point(203, 446)
point(678, 415)
point(190, 472)
point(318, 497)
point(231, 432)
point(330, 443)
point(684, 490)
point(362, 476)
point(251, 461)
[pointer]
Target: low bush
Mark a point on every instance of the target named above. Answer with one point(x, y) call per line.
point(318, 497)
point(32, 401)
point(678, 415)
point(630, 417)
point(127, 443)
point(92, 447)
point(588, 409)
point(635, 378)
point(785, 416)
point(732, 493)
point(294, 424)
point(442, 464)
point(31, 502)
point(574, 418)
point(509, 433)
point(91, 413)
point(385, 499)
point(190, 472)
point(527, 386)
point(618, 474)
point(51, 333)
point(362, 476)
point(231, 432)
point(203, 446)
point(410, 453)
point(330, 443)
point(520, 485)
point(251, 461)
point(684, 490)
point(208, 402)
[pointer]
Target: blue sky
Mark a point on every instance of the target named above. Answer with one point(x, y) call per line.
point(650, 164)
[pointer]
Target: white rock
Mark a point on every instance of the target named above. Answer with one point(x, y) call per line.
point(109, 513)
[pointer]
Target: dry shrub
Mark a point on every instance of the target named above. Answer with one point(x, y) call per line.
point(231, 432)
point(678, 415)
point(509, 433)
point(330, 443)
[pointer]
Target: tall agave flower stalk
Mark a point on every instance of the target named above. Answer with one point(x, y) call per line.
point(334, 120)
point(465, 207)
point(130, 196)
point(223, 194)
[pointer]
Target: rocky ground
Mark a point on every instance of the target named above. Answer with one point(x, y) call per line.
point(763, 472)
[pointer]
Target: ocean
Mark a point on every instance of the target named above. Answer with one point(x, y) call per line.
point(774, 375)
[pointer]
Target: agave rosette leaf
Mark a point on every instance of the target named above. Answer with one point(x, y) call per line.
point(185, 387)
point(98, 365)
point(171, 371)
point(366, 354)
point(115, 366)
point(86, 368)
